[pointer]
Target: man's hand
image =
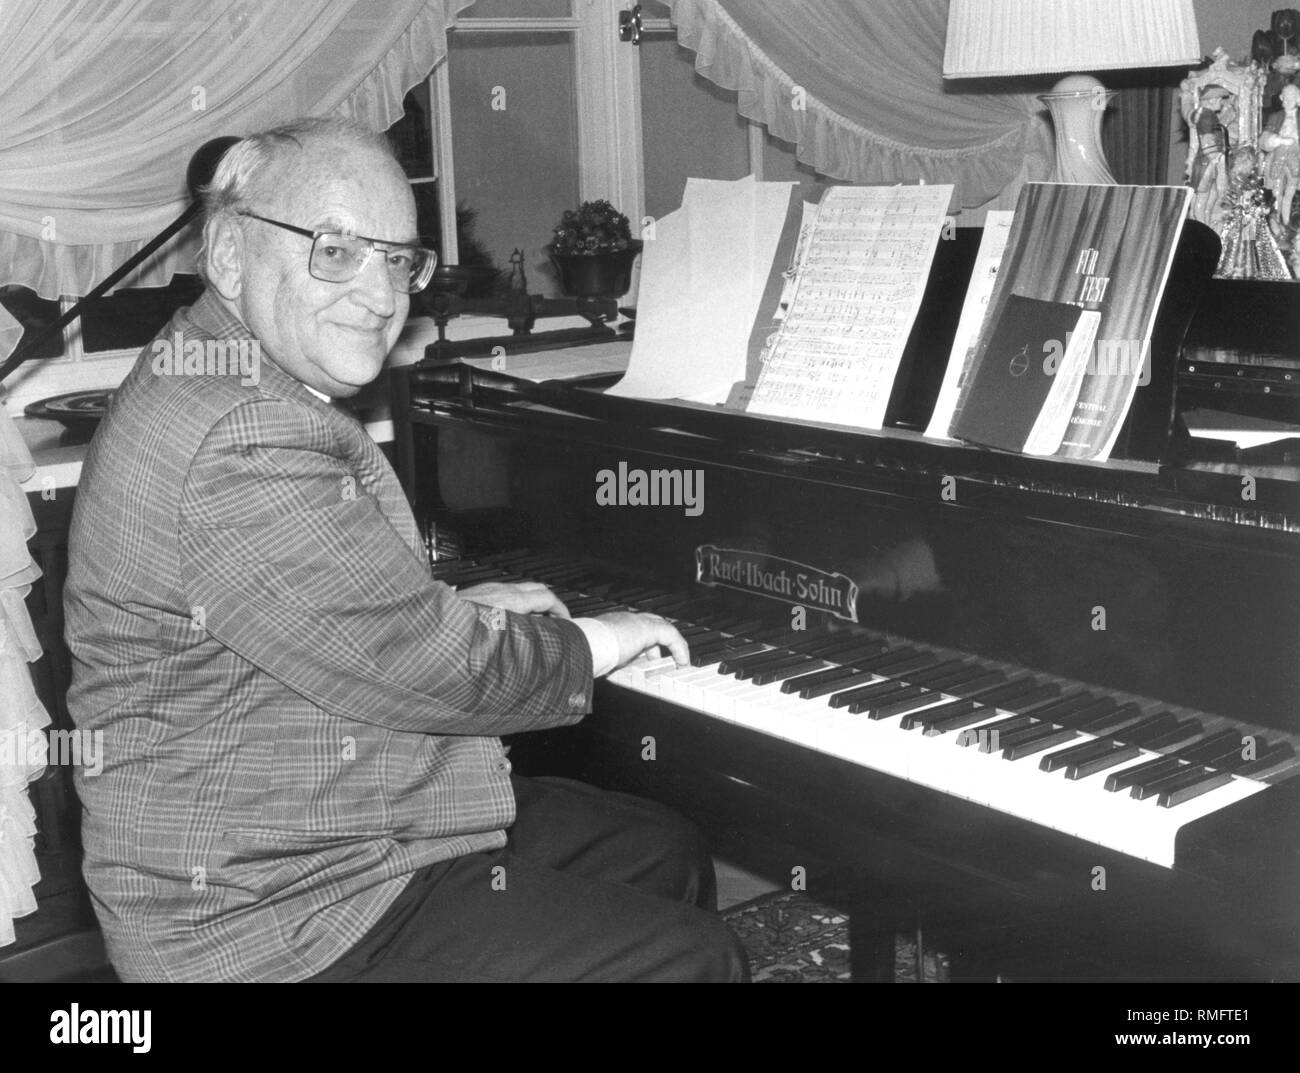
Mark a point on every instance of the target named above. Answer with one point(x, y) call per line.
point(638, 633)
point(522, 597)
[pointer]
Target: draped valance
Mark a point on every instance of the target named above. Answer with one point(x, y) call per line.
point(858, 90)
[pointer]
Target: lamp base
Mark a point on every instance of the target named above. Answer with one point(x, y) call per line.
point(1077, 103)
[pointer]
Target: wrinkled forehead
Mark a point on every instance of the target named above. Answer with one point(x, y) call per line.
point(328, 184)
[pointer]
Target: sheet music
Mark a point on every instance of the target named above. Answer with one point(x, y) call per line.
point(702, 279)
point(865, 267)
point(997, 226)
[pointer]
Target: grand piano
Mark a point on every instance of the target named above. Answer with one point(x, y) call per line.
point(1044, 711)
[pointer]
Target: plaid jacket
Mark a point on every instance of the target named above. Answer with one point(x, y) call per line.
point(295, 715)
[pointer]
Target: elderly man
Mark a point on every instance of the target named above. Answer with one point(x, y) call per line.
point(302, 778)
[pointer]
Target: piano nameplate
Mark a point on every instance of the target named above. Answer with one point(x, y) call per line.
point(759, 574)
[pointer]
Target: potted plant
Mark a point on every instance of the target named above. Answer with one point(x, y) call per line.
point(593, 251)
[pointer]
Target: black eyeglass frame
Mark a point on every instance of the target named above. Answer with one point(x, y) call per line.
point(376, 244)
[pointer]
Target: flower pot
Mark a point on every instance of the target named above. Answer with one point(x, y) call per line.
point(596, 275)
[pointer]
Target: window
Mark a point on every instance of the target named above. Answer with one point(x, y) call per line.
point(540, 106)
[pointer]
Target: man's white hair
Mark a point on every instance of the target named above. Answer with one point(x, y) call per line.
point(243, 171)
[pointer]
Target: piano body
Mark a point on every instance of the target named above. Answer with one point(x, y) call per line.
point(1044, 710)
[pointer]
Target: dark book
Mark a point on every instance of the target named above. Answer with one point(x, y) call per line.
point(1022, 393)
point(1107, 249)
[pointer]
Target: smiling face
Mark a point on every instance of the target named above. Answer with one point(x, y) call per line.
point(333, 337)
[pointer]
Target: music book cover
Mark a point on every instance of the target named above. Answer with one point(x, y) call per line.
point(1023, 393)
point(1107, 249)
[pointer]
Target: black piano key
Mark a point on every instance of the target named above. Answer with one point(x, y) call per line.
point(1056, 707)
point(841, 649)
point(964, 713)
point(840, 645)
point(922, 664)
point(886, 661)
point(1190, 789)
point(1077, 757)
point(1063, 758)
point(663, 605)
point(741, 627)
point(1105, 722)
point(1008, 693)
point(960, 676)
point(719, 621)
point(1180, 731)
point(772, 675)
point(1026, 732)
point(977, 684)
point(1266, 756)
point(629, 594)
point(1044, 736)
point(886, 707)
point(946, 670)
point(1146, 728)
point(708, 655)
point(988, 735)
point(736, 664)
point(729, 647)
point(554, 575)
point(471, 575)
point(1216, 745)
point(883, 691)
point(778, 635)
point(1151, 769)
point(829, 681)
point(692, 611)
point(751, 671)
point(1185, 785)
point(1196, 753)
point(949, 709)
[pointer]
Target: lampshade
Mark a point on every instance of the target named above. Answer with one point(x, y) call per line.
point(997, 38)
point(991, 38)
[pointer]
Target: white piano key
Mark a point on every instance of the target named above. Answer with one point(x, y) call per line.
point(1081, 807)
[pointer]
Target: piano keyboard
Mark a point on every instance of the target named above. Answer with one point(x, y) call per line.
point(1122, 772)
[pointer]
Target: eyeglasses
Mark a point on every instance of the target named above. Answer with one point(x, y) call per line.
point(337, 257)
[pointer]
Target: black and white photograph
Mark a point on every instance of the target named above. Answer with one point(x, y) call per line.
point(690, 491)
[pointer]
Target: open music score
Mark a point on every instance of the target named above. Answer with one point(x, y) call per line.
point(857, 289)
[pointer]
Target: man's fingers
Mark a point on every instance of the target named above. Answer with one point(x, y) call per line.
point(670, 639)
point(638, 633)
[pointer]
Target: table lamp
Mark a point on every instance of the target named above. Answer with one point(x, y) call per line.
point(1001, 38)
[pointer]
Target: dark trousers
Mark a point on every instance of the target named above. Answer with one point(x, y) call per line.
point(591, 886)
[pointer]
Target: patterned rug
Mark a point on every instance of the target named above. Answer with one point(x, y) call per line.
point(792, 939)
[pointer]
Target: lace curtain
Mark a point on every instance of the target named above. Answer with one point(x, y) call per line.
point(22, 747)
point(858, 89)
point(102, 103)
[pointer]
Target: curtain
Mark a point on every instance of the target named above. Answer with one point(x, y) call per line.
point(22, 747)
point(102, 104)
point(858, 89)
point(1135, 134)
